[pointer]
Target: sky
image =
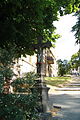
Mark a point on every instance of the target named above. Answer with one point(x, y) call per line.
point(65, 46)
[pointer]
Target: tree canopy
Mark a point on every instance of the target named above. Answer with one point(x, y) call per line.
point(63, 67)
point(76, 28)
point(75, 60)
point(22, 21)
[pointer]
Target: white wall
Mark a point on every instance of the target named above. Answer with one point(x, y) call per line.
point(25, 64)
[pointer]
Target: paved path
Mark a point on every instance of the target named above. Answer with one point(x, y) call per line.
point(69, 101)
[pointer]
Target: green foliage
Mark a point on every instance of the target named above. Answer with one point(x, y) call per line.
point(1, 82)
point(18, 107)
point(75, 60)
point(6, 63)
point(21, 22)
point(76, 28)
point(7, 56)
point(25, 83)
point(63, 67)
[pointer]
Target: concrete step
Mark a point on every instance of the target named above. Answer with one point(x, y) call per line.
point(74, 84)
point(68, 89)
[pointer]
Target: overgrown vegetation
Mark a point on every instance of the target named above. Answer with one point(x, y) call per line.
point(16, 106)
point(21, 106)
point(25, 84)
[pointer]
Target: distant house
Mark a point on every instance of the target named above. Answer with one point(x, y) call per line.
point(29, 63)
point(75, 71)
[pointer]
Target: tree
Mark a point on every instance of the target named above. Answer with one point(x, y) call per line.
point(75, 59)
point(76, 27)
point(75, 62)
point(63, 67)
point(21, 22)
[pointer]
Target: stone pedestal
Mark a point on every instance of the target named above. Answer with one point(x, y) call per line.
point(45, 104)
point(43, 90)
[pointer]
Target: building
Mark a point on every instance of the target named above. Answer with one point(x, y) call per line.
point(51, 67)
point(29, 64)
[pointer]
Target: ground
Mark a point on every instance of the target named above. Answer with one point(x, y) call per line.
point(65, 103)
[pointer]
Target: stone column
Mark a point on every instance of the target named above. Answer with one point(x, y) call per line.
point(43, 89)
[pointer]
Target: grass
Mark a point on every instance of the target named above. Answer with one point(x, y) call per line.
point(57, 81)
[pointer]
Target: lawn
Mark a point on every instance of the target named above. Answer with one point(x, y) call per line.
point(57, 81)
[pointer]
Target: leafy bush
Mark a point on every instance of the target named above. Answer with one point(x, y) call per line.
point(25, 83)
point(18, 107)
point(21, 106)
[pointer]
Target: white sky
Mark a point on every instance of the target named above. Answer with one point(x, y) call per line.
point(65, 46)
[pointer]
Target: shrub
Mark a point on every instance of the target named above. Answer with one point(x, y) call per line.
point(16, 106)
point(25, 83)
point(20, 106)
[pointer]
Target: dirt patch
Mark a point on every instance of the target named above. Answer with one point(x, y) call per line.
point(55, 110)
